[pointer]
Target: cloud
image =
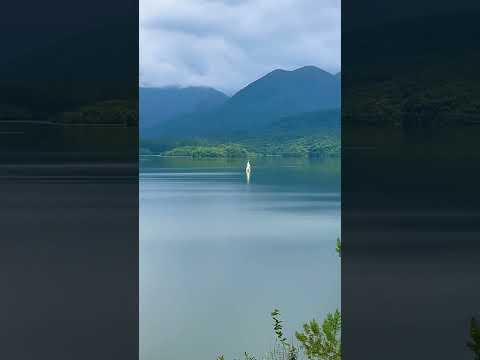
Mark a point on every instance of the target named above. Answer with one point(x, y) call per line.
point(227, 44)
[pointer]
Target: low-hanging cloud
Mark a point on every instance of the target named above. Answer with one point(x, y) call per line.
point(227, 44)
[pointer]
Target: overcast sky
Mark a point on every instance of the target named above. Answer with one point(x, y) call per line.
point(227, 44)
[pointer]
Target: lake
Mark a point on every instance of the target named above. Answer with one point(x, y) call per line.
point(217, 254)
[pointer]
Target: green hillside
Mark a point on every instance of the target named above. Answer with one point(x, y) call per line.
point(312, 134)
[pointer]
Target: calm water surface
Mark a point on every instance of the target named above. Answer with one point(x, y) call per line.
point(217, 254)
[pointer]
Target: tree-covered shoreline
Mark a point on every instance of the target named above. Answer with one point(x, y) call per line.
point(297, 147)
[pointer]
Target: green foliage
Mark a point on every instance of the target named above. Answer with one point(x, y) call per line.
point(339, 247)
point(474, 343)
point(291, 351)
point(308, 146)
point(322, 342)
point(301, 146)
point(277, 327)
point(218, 151)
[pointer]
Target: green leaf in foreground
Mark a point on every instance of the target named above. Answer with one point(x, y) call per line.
point(291, 351)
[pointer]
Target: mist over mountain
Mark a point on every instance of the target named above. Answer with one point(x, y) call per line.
point(278, 94)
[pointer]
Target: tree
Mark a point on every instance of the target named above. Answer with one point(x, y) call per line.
point(322, 342)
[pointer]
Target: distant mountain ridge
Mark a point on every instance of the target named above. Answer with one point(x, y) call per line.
point(158, 105)
point(276, 95)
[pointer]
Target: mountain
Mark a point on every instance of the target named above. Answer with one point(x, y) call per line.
point(327, 121)
point(278, 94)
point(281, 93)
point(158, 105)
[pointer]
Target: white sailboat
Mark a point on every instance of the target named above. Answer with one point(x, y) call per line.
point(248, 170)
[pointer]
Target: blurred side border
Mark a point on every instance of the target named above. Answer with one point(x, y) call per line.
point(69, 180)
point(410, 200)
